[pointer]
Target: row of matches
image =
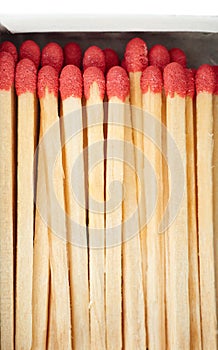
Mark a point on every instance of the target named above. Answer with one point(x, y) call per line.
point(155, 291)
point(53, 54)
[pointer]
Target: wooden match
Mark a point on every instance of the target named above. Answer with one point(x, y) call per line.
point(71, 93)
point(118, 95)
point(25, 83)
point(94, 90)
point(178, 316)
point(151, 86)
point(7, 208)
point(205, 85)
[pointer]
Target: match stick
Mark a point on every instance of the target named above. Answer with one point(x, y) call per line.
point(7, 206)
point(60, 319)
point(178, 55)
point(30, 49)
point(111, 59)
point(72, 54)
point(94, 57)
point(215, 179)
point(194, 293)
point(134, 329)
point(178, 317)
point(118, 93)
point(136, 61)
point(71, 94)
point(94, 89)
point(158, 56)
point(151, 86)
point(205, 84)
point(25, 83)
point(41, 275)
point(41, 269)
point(52, 55)
point(8, 46)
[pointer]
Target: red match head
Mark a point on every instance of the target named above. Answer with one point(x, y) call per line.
point(47, 80)
point(123, 64)
point(6, 70)
point(29, 49)
point(177, 55)
point(25, 76)
point(151, 79)
point(8, 46)
point(71, 82)
point(159, 56)
point(136, 55)
point(52, 55)
point(205, 79)
point(190, 78)
point(117, 83)
point(111, 58)
point(72, 54)
point(93, 75)
point(175, 80)
point(94, 57)
point(215, 68)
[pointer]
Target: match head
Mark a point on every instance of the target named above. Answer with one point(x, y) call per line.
point(52, 55)
point(93, 75)
point(25, 76)
point(117, 83)
point(136, 55)
point(151, 79)
point(190, 78)
point(215, 68)
point(123, 64)
point(8, 46)
point(72, 54)
point(175, 80)
point(111, 58)
point(29, 49)
point(159, 56)
point(94, 57)
point(71, 82)
point(7, 65)
point(47, 80)
point(205, 79)
point(178, 55)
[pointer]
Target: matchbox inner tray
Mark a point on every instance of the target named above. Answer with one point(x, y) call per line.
point(196, 35)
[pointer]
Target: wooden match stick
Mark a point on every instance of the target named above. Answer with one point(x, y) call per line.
point(151, 86)
point(118, 93)
point(71, 94)
point(205, 84)
point(25, 83)
point(215, 180)
point(60, 319)
point(7, 207)
point(94, 88)
point(41, 269)
point(41, 274)
point(134, 331)
point(136, 61)
point(30, 49)
point(194, 292)
point(178, 319)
